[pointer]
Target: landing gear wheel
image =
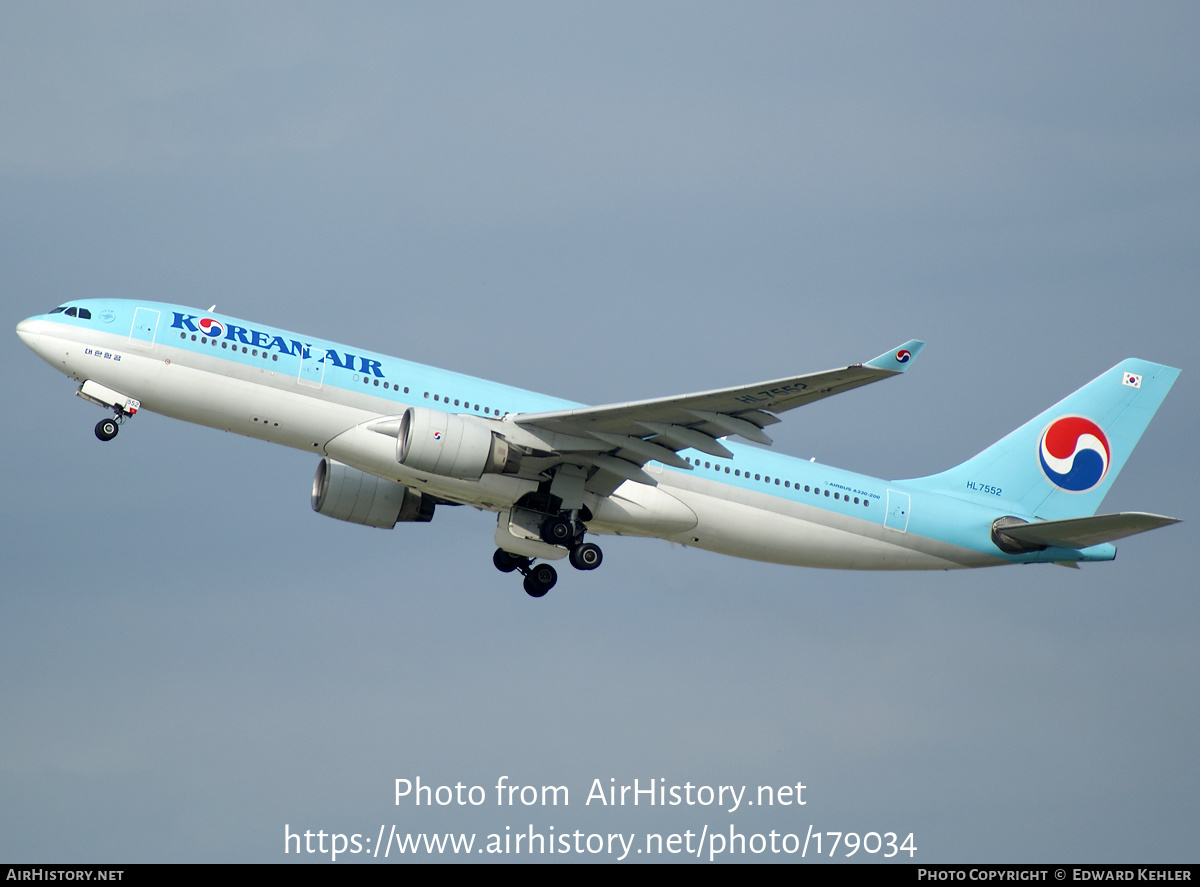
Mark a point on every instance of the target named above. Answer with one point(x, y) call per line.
point(106, 429)
point(540, 579)
point(586, 556)
point(557, 531)
point(506, 561)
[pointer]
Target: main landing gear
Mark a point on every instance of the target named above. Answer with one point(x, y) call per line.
point(540, 578)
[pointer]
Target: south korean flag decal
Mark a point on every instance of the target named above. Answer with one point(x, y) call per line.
point(1133, 380)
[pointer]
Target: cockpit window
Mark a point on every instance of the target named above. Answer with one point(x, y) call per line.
point(84, 314)
point(59, 309)
point(70, 312)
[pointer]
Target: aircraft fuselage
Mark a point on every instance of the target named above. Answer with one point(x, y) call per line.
point(323, 397)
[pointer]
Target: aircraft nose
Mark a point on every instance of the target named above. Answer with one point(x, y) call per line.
point(30, 332)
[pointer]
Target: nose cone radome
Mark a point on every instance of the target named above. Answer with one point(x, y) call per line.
point(30, 332)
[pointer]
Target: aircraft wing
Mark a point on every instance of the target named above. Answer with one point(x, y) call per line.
point(623, 437)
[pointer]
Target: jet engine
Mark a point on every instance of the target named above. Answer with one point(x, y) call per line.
point(449, 445)
point(348, 494)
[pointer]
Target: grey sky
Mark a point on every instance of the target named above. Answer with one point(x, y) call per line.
point(603, 202)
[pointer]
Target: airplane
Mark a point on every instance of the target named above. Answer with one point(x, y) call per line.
point(396, 439)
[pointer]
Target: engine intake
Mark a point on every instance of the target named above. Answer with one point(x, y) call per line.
point(449, 445)
point(348, 494)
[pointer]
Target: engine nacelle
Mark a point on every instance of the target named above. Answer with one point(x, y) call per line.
point(449, 445)
point(348, 494)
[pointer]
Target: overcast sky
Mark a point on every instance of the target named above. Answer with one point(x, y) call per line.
point(604, 202)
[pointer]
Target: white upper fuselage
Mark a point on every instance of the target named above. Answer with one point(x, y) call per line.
point(323, 397)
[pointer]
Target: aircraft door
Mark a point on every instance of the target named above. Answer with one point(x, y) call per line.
point(898, 505)
point(145, 327)
point(312, 368)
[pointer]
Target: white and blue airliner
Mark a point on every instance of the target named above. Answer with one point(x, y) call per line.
point(396, 439)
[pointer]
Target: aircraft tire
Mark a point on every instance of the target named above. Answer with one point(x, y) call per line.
point(586, 556)
point(557, 531)
point(106, 429)
point(540, 579)
point(506, 562)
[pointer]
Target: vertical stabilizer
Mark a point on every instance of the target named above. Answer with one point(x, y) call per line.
point(1062, 463)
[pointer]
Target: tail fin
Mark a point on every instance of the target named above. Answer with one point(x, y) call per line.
point(1062, 463)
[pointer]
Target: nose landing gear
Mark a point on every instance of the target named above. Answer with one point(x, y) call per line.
point(122, 406)
point(106, 429)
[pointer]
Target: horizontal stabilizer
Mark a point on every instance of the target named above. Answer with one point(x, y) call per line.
point(1084, 532)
